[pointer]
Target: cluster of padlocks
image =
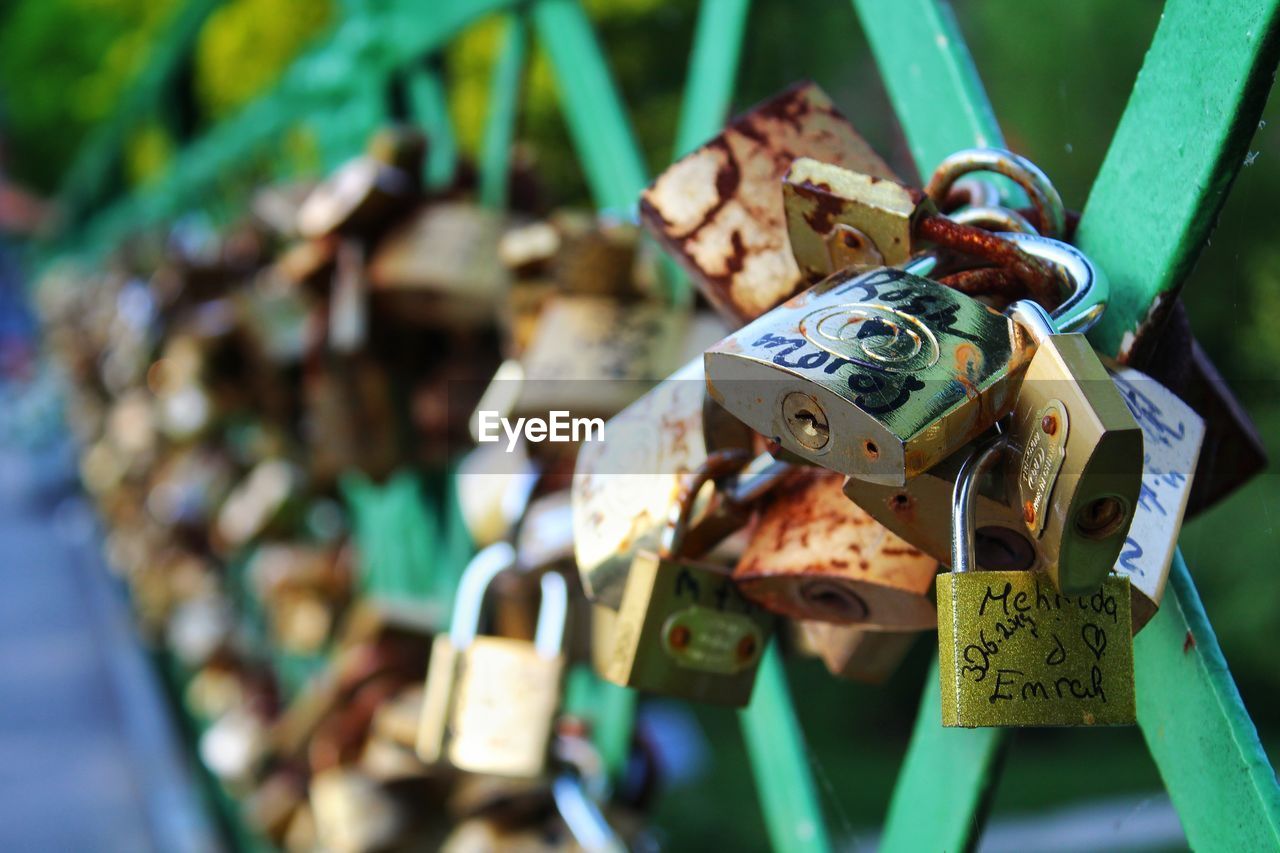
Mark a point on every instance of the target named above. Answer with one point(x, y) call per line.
point(890, 380)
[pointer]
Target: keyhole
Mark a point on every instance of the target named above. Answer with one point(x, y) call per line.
point(806, 421)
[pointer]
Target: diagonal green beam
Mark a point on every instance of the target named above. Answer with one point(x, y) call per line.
point(946, 781)
point(1198, 730)
point(504, 108)
point(713, 70)
point(592, 105)
point(429, 106)
point(1182, 139)
point(780, 762)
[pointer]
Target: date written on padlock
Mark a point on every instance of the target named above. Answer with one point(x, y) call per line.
point(878, 376)
point(1019, 653)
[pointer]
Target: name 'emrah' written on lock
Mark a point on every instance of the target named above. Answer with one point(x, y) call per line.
point(557, 427)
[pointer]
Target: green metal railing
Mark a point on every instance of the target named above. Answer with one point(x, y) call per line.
point(1180, 143)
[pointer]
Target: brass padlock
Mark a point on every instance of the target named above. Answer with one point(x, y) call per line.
point(815, 555)
point(624, 487)
point(490, 702)
point(1172, 435)
point(1013, 651)
point(1075, 455)
point(683, 628)
point(878, 376)
point(718, 210)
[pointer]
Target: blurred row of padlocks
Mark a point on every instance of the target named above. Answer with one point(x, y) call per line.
point(377, 604)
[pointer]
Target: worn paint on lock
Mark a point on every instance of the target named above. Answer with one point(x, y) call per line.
point(851, 652)
point(1013, 651)
point(684, 630)
point(815, 555)
point(1172, 435)
point(902, 371)
point(718, 210)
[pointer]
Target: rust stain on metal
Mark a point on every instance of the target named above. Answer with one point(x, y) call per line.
point(718, 210)
point(1189, 643)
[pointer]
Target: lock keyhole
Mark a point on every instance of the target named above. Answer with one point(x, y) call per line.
point(806, 420)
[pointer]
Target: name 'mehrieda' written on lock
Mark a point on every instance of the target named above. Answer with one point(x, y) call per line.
point(558, 427)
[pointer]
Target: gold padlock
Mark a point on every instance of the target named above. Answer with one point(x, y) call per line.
point(683, 628)
point(1013, 651)
point(490, 702)
point(1076, 455)
point(624, 487)
point(815, 555)
point(718, 210)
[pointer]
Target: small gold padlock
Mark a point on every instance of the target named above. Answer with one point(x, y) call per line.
point(1075, 455)
point(490, 702)
point(815, 555)
point(1013, 651)
point(683, 629)
point(625, 486)
point(718, 210)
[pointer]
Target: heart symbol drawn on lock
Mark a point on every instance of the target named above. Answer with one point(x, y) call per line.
point(1095, 638)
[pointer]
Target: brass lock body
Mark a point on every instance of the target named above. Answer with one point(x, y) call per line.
point(814, 555)
point(683, 630)
point(837, 218)
point(490, 703)
point(1075, 457)
point(879, 376)
point(625, 486)
point(718, 212)
point(1013, 651)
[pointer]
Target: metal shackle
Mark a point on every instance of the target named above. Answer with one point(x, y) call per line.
point(994, 218)
point(1087, 287)
point(553, 610)
point(1039, 189)
point(963, 498)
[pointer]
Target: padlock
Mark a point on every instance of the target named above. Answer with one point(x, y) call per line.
point(624, 487)
point(718, 210)
point(854, 653)
point(815, 555)
point(683, 629)
point(360, 197)
point(1013, 651)
point(879, 376)
point(1075, 455)
point(1172, 435)
point(490, 702)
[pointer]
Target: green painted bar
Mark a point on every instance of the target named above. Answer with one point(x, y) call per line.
point(946, 782)
point(779, 760)
point(429, 106)
point(504, 109)
point(1198, 730)
point(592, 105)
point(713, 70)
point(930, 77)
point(1183, 137)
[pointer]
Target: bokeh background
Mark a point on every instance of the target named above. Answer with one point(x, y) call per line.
point(1058, 76)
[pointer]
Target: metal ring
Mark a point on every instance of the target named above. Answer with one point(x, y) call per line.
point(1039, 189)
point(1087, 287)
point(720, 463)
point(963, 556)
point(994, 218)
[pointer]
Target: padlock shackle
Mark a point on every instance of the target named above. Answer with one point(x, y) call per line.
point(1044, 196)
point(553, 613)
point(718, 464)
point(963, 500)
point(486, 565)
point(1032, 316)
point(1090, 290)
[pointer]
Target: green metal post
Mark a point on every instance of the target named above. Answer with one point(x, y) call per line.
point(504, 108)
point(713, 69)
point(429, 106)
